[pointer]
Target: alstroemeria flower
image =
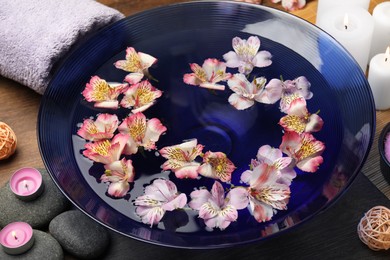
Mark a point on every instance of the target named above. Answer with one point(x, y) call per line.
point(293, 88)
point(181, 159)
point(299, 119)
point(304, 148)
point(140, 96)
point(266, 193)
point(216, 165)
point(137, 63)
point(216, 210)
point(106, 151)
point(207, 76)
point(102, 93)
point(119, 174)
point(246, 93)
point(273, 157)
point(159, 197)
point(291, 5)
point(142, 132)
point(246, 55)
point(102, 128)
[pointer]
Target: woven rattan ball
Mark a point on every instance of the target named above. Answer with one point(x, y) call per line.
point(7, 141)
point(374, 228)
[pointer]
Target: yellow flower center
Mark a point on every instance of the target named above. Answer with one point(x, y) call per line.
point(101, 90)
point(144, 96)
point(102, 148)
point(137, 129)
point(295, 123)
point(92, 129)
point(133, 63)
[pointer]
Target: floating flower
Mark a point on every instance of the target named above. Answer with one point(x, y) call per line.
point(266, 193)
point(216, 210)
point(273, 157)
point(106, 151)
point(102, 93)
point(159, 197)
point(142, 132)
point(293, 88)
point(304, 148)
point(181, 159)
point(216, 165)
point(140, 96)
point(246, 93)
point(103, 128)
point(246, 55)
point(137, 63)
point(291, 5)
point(299, 119)
point(211, 72)
point(119, 174)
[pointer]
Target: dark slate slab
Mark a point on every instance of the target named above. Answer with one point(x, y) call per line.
point(39, 212)
point(330, 235)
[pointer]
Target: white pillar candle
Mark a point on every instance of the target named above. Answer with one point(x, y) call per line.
point(381, 35)
point(354, 33)
point(324, 5)
point(379, 79)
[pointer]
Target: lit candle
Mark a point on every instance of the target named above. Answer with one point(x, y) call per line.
point(381, 35)
point(324, 5)
point(379, 79)
point(16, 238)
point(353, 28)
point(26, 183)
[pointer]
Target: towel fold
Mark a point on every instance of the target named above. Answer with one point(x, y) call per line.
point(36, 34)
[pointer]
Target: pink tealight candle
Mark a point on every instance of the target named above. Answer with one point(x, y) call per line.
point(16, 238)
point(26, 183)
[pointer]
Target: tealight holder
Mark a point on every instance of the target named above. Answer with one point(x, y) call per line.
point(16, 238)
point(27, 184)
point(384, 162)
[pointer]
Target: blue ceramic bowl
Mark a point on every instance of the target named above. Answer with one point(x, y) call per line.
point(384, 163)
point(181, 34)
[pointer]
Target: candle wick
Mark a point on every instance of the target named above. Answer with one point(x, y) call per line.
point(386, 59)
point(346, 27)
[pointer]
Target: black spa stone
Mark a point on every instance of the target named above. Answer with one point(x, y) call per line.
point(39, 212)
point(45, 247)
point(79, 235)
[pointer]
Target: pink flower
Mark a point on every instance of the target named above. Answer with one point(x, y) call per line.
point(159, 197)
point(291, 5)
point(246, 55)
point(103, 128)
point(140, 96)
point(137, 63)
point(119, 174)
point(216, 165)
point(216, 210)
point(246, 93)
point(299, 119)
point(273, 158)
point(142, 132)
point(103, 94)
point(304, 149)
point(291, 89)
point(266, 193)
point(181, 159)
point(106, 151)
point(211, 72)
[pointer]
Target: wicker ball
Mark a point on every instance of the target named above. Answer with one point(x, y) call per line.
point(7, 141)
point(374, 228)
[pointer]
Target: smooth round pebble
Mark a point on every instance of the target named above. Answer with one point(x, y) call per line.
point(79, 235)
point(39, 212)
point(45, 247)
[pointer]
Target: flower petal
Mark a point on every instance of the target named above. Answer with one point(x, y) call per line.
point(262, 59)
point(134, 78)
point(118, 189)
point(146, 60)
point(310, 164)
point(232, 59)
point(198, 198)
point(189, 171)
point(154, 128)
point(314, 124)
point(238, 197)
point(261, 211)
point(177, 203)
point(240, 102)
point(268, 155)
point(212, 86)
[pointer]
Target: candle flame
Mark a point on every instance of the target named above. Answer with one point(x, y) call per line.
point(346, 21)
point(387, 53)
point(13, 233)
